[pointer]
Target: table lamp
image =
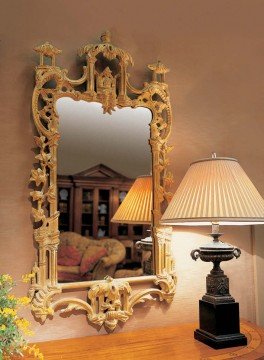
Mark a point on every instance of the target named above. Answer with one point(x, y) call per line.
point(136, 209)
point(216, 191)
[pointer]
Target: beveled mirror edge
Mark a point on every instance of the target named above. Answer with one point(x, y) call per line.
point(105, 306)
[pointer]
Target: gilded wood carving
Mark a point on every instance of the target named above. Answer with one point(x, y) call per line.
point(109, 301)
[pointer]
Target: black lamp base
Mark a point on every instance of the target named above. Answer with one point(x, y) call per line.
point(219, 325)
point(218, 310)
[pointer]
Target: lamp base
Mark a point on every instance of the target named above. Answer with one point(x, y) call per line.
point(218, 311)
point(219, 325)
point(146, 246)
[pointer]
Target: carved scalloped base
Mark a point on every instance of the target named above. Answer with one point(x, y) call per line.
point(109, 301)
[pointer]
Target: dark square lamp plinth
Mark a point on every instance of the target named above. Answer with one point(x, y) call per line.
point(219, 325)
point(215, 192)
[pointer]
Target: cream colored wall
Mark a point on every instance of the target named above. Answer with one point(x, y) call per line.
point(258, 261)
point(216, 55)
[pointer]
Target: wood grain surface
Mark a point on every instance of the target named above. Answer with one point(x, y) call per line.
point(174, 342)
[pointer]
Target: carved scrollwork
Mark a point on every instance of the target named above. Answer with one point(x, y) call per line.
point(110, 301)
point(42, 299)
point(109, 86)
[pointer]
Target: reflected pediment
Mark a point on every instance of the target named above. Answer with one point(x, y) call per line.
point(101, 171)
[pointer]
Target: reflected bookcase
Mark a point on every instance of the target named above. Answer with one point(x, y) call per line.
point(88, 200)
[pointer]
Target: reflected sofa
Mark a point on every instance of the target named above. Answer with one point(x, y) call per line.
point(83, 259)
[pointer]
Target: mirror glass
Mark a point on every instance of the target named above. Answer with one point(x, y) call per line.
point(99, 157)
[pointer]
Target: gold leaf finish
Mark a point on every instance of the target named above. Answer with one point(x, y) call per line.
point(108, 301)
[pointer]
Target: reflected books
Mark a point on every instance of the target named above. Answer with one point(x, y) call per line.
point(87, 208)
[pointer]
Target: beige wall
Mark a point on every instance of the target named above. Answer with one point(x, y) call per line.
point(215, 51)
point(258, 262)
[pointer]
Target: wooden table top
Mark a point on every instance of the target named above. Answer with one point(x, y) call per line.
point(174, 342)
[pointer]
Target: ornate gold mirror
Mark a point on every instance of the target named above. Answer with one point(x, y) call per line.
point(105, 82)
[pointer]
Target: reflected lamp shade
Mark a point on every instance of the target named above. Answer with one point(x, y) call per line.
point(137, 205)
point(215, 190)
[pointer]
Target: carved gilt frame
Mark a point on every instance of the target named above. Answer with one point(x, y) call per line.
point(109, 301)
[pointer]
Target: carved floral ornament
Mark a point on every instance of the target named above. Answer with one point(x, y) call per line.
point(108, 301)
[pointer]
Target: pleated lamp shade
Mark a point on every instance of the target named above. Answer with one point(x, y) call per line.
point(137, 205)
point(215, 190)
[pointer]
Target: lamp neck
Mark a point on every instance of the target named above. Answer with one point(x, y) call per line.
point(215, 232)
point(215, 228)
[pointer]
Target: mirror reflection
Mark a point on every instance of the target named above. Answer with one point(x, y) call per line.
point(99, 158)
